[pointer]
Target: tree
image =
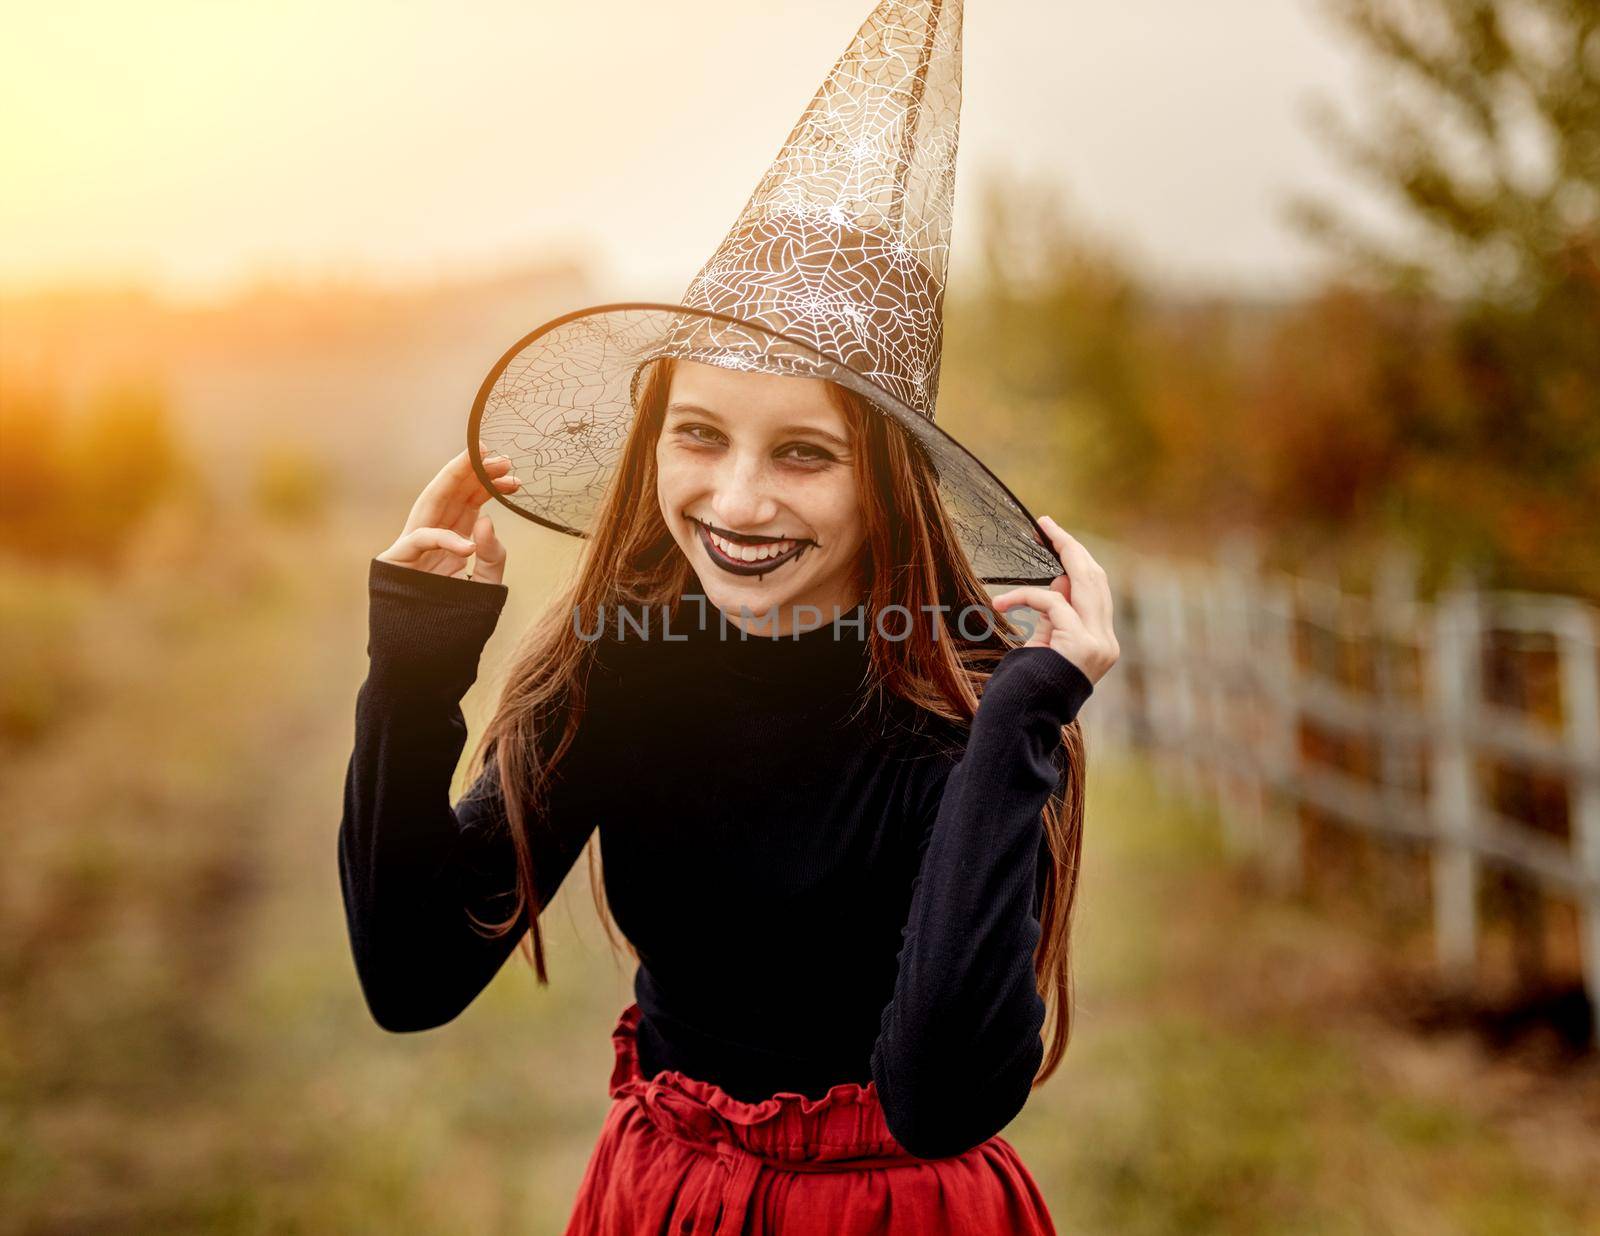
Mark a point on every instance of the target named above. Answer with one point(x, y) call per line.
point(1487, 139)
point(1063, 334)
point(33, 461)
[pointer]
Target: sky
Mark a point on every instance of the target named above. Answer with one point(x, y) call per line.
point(196, 145)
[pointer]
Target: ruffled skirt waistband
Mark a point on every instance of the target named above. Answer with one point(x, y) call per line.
point(844, 1130)
point(681, 1155)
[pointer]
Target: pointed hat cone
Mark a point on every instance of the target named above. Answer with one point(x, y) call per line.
point(834, 269)
point(845, 243)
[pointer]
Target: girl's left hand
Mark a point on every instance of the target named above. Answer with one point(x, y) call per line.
point(1075, 610)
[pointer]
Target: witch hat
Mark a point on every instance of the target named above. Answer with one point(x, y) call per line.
point(835, 269)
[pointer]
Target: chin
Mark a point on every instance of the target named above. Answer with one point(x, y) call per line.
point(757, 596)
point(760, 595)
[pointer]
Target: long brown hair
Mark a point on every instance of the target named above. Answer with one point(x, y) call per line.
point(910, 557)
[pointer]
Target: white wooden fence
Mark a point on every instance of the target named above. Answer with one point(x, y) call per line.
point(1216, 681)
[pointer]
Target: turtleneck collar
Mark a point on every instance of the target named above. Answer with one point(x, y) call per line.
point(825, 658)
point(756, 652)
point(695, 652)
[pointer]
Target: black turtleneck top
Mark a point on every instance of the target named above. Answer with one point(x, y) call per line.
point(819, 891)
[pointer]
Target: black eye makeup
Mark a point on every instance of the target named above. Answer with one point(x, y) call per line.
point(805, 454)
point(816, 454)
point(692, 433)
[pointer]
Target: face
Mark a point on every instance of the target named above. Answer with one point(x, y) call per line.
point(756, 480)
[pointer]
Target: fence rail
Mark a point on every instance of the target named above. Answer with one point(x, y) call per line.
point(1226, 669)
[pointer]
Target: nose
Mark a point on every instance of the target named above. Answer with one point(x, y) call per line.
point(742, 502)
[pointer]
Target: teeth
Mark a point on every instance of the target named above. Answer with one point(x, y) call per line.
point(750, 553)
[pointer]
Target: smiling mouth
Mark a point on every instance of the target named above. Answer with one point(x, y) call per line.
point(729, 554)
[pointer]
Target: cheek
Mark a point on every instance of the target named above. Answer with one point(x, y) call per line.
point(673, 477)
point(839, 510)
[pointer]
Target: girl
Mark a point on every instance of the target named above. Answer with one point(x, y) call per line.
point(839, 804)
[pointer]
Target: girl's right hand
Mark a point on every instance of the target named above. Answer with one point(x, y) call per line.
point(444, 528)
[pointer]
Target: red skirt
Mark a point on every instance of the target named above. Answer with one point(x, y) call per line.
point(683, 1156)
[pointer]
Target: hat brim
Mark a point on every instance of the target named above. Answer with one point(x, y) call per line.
point(559, 404)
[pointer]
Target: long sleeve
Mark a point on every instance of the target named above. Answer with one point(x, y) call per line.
point(959, 1042)
point(410, 864)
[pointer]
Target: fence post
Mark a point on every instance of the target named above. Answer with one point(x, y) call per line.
point(1279, 679)
point(1155, 659)
point(1207, 659)
point(1167, 684)
point(1122, 722)
point(1394, 599)
point(1456, 694)
point(1580, 708)
point(1232, 602)
point(1186, 699)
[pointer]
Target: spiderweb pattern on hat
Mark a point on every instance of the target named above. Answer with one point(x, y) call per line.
point(845, 243)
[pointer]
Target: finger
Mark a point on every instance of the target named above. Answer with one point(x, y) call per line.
point(420, 540)
point(452, 498)
point(1061, 583)
point(454, 473)
point(1052, 531)
point(461, 509)
point(1091, 588)
point(1068, 547)
point(1037, 596)
point(431, 509)
point(459, 478)
point(464, 513)
point(491, 553)
point(1049, 603)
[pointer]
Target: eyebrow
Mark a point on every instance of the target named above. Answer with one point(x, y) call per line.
point(813, 429)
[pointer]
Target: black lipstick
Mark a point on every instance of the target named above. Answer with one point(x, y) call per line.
point(735, 566)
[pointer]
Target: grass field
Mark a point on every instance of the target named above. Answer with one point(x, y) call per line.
point(183, 1046)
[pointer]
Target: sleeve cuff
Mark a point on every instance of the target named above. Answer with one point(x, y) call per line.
point(1046, 678)
point(419, 617)
point(408, 584)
